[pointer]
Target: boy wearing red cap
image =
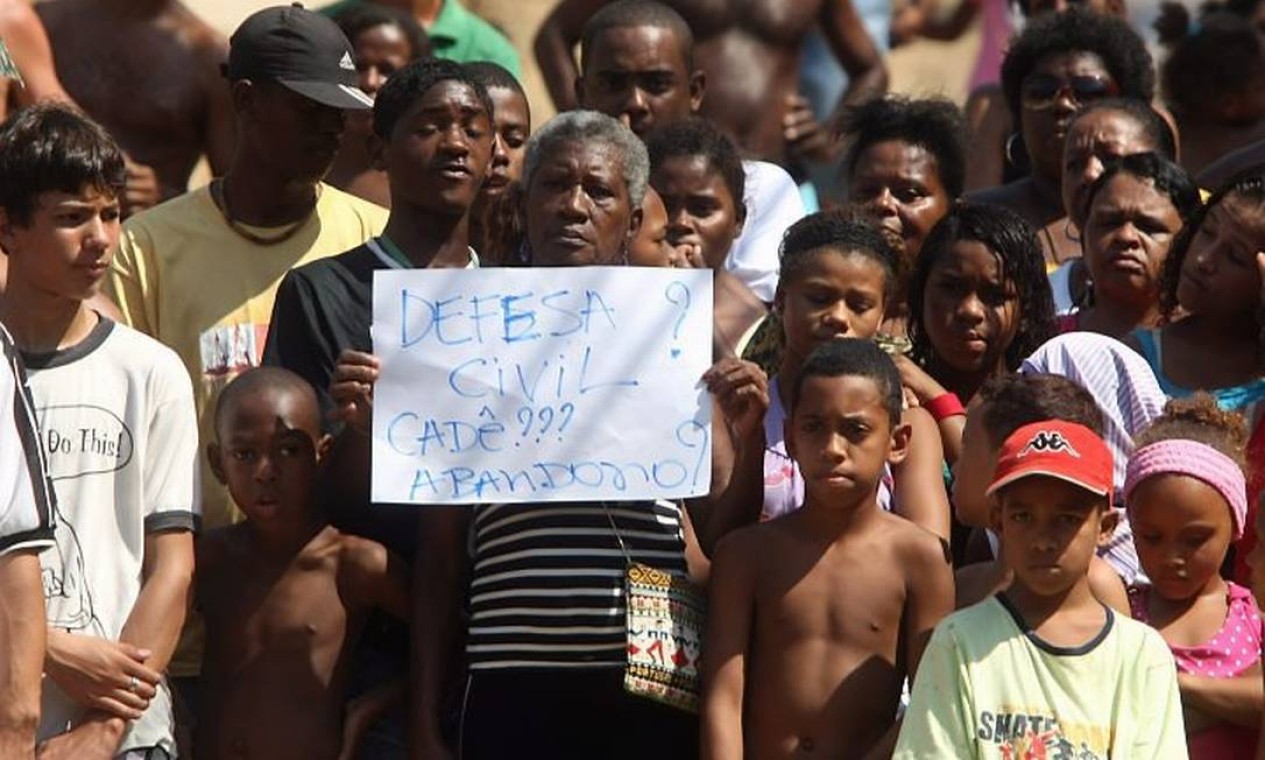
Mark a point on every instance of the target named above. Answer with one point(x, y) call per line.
point(1044, 669)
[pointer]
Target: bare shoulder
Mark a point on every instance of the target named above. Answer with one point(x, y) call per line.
point(915, 543)
point(359, 557)
point(752, 545)
point(745, 539)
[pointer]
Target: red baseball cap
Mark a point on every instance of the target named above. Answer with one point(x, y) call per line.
point(1056, 449)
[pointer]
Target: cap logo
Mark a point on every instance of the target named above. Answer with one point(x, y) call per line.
point(1049, 442)
point(346, 62)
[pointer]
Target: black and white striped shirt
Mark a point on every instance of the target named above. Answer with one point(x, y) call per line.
point(547, 590)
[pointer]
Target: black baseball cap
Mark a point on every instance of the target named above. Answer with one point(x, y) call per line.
point(300, 50)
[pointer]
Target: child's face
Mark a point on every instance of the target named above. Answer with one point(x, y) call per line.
point(899, 185)
point(66, 248)
point(269, 450)
point(1219, 274)
point(970, 312)
point(701, 210)
point(973, 470)
point(837, 294)
point(1182, 530)
point(1051, 530)
point(649, 247)
point(439, 151)
point(840, 436)
point(512, 123)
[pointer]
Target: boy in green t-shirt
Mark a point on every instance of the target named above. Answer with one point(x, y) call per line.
point(1044, 669)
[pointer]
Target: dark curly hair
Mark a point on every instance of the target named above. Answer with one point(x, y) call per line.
point(1155, 128)
point(934, 124)
point(411, 83)
point(1012, 240)
point(846, 232)
point(1199, 418)
point(694, 136)
point(357, 19)
point(853, 357)
point(1169, 179)
point(1012, 401)
point(1079, 30)
point(1249, 186)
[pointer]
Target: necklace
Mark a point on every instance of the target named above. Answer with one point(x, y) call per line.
point(221, 203)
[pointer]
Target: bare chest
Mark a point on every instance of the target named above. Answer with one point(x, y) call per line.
point(301, 611)
point(837, 602)
point(104, 66)
point(785, 20)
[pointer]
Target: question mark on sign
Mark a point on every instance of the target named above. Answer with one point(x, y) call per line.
point(678, 295)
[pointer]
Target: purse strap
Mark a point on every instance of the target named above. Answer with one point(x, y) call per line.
point(606, 507)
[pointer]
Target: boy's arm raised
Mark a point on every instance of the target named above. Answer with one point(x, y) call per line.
point(741, 398)
point(375, 577)
point(731, 608)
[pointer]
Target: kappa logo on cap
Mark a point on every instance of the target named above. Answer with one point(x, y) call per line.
point(346, 63)
point(1049, 442)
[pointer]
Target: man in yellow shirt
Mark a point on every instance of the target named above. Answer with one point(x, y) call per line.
point(200, 272)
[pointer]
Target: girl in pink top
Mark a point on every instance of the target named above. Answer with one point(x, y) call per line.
point(1187, 501)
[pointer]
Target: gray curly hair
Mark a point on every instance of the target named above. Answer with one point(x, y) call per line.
point(591, 126)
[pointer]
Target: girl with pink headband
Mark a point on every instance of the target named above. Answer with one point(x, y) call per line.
point(1187, 502)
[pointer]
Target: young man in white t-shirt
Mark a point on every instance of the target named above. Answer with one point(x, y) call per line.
point(26, 529)
point(117, 427)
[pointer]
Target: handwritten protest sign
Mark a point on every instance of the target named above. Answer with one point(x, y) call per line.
point(512, 385)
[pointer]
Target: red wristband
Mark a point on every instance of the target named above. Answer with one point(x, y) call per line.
point(944, 406)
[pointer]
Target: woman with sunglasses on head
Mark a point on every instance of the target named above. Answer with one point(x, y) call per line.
point(1060, 63)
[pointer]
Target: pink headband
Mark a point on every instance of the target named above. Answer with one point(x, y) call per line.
point(1197, 460)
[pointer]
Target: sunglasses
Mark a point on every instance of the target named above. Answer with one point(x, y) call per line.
point(1043, 90)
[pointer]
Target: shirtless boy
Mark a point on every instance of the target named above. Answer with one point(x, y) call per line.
point(284, 594)
point(817, 617)
point(750, 52)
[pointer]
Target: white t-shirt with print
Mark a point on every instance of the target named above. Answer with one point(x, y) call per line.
point(118, 429)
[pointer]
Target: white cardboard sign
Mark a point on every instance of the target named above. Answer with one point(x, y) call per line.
point(532, 385)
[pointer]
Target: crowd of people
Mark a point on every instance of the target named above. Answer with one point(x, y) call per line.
point(988, 437)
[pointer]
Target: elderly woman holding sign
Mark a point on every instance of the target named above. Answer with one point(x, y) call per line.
point(549, 636)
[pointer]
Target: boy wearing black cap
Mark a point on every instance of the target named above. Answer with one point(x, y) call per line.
point(200, 272)
point(1044, 669)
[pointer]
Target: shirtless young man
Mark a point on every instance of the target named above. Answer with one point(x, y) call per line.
point(29, 47)
point(149, 71)
point(284, 594)
point(750, 51)
point(816, 618)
